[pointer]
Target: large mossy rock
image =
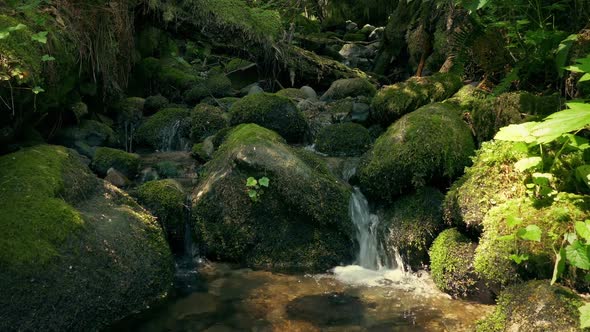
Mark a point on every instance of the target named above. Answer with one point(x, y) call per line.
point(85, 136)
point(535, 306)
point(105, 158)
point(166, 200)
point(492, 260)
point(300, 222)
point(343, 139)
point(410, 225)
point(490, 181)
point(166, 130)
point(451, 264)
point(351, 87)
point(273, 112)
point(429, 146)
point(76, 253)
point(393, 101)
point(206, 120)
point(216, 85)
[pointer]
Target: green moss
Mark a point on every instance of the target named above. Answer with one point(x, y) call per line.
point(467, 96)
point(217, 85)
point(306, 25)
point(34, 217)
point(89, 132)
point(352, 87)
point(451, 263)
point(237, 64)
point(391, 102)
point(129, 110)
point(491, 258)
point(18, 51)
point(206, 120)
point(345, 139)
point(271, 111)
point(490, 181)
point(354, 36)
point(291, 93)
point(156, 129)
point(105, 158)
point(429, 146)
point(167, 169)
point(289, 228)
point(155, 103)
point(536, 305)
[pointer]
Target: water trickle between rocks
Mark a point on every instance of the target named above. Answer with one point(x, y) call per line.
point(173, 139)
point(187, 263)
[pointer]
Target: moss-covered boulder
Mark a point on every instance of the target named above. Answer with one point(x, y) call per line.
point(105, 158)
point(492, 260)
point(393, 101)
point(490, 181)
point(73, 242)
point(216, 85)
point(166, 130)
point(129, 110)
point(206, 120)
point(154, 103)
point(429, 146)
point(166, 200)
point(410, 225)
point(451, 264)
point(344, 139)
point(352, 87)
point(534, 306)
point(292, 93)
point(270, 111)
point(85, 136)
point(298, 222)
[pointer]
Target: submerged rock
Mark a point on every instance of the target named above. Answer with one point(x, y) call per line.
point(273, 112)
point(299, 222)
point(79, 253)
point(429, 146)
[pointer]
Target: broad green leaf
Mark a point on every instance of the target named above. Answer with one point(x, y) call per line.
point(530, 233)
point(575, 141)
point(517, 133)
point(584, 316)
point(562, 53)
point(47, 57)
point(513, 221)
point(583, 174)
point(570, 237)
point(584, 78)
point(4, 34)
point(583, 230)
point(582, 65)
point(577, 255)
point(264, 181)
point(573, 119)
point(528, 163)
point(559, 265)
point(542, 179)
point(37, 90)
point(251, 182)
point(507, 237)
point(17, 27)
point(40, 37)
point(252, 193)
point(519, 258)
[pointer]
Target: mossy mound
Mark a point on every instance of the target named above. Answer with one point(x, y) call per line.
point(292, 93)
point(165, 129)
point(429, 146)
point(492, 260)
point(451, 263)
point(75, 243)
point(216, 85)
point(535, 306)
point(206, 120)
point(270, 111)
point(490, 181)
point(85, 136)
point(344, 139)
point(287, 227)
point(105, 158)
point(352, 87)
point(410, 225)
point(166, 200)
point(393, 101)
point(155, 103)
point(129, 110)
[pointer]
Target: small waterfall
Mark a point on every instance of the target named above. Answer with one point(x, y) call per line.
point(186, 264)
point(172, 139)
point(366, 225)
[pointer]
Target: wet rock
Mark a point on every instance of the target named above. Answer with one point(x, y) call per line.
point(345, 139)
point(360, 112)
point(206, 120)
point(254, 90)
point(148, 174)
point(155, 103)
point(117, 178)
point(106, 158)
point(167, 130)
point(324, 310)
point(352, 87)
point(357, 56)
point(86, 136)
point(367, 29)
point(309, 92)
point(377, 33)
point(351, 26)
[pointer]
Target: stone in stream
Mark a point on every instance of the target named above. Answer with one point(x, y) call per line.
point(117, 178)
point(324, 310)
point(79, 253)
point(107, 158)
point(299, 222)
point(430, 146)
point(167, 130)
point(352, 87)
point(309, 92)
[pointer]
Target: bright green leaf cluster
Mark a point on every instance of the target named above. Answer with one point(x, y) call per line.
point(255, 187)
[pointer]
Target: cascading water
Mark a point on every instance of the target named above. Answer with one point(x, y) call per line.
point(366, 226)
point(172, 138)
point(186, 264)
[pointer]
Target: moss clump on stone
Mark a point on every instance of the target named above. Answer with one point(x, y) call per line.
point(216, 85)
point(105, 158)
point(345, 139)
point(410, 225)
point(535, 306)
point(355, 36)
point(157, 130)
point(429, 146)
point(292, 93)
point(86, 135)
point(491, 257)
point(129, 109)
point(287, 228)
point(155, 103)
point(352, 87)
point(490, 181)
point(451, 263)
point(270, 111)
point(166, 200)
point(206, 120)
point(393, 101)
point(18, 52)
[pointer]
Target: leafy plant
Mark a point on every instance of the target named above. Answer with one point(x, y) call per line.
point(255, 187)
